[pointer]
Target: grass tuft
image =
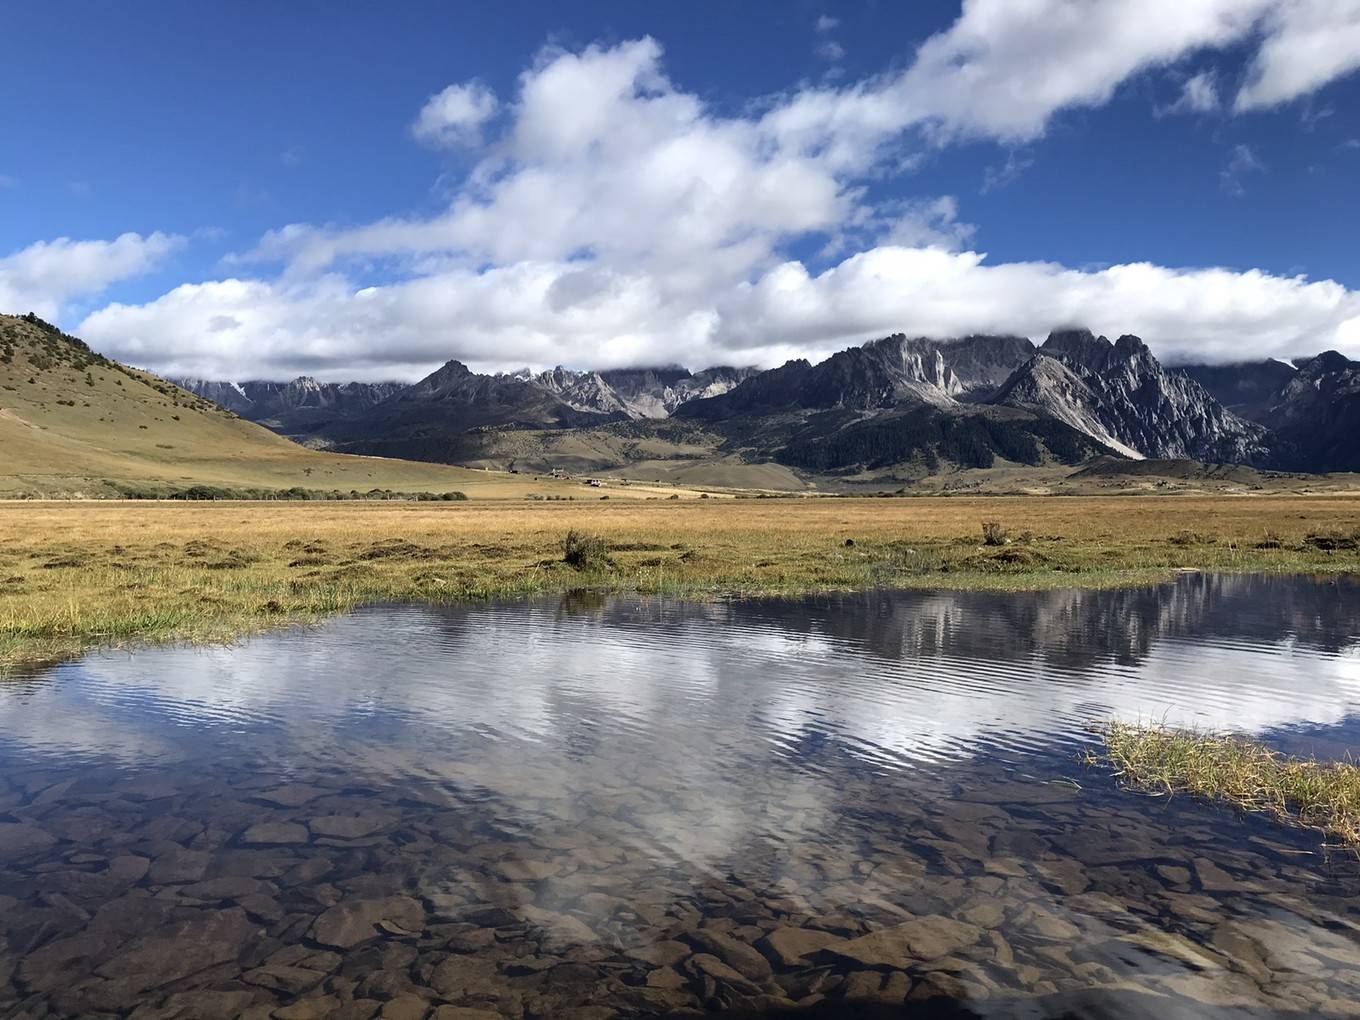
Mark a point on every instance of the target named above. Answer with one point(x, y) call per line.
point(585, 552)
point(1245, 773)
point(993, 533)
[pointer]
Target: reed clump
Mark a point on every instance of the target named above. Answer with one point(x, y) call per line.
point(585, 552)
point(1324, 796)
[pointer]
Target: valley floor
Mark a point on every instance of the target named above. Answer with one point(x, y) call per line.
point(77, 575)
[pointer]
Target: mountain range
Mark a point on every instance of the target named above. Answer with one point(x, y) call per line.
point(895, 407)
point(1310, 406)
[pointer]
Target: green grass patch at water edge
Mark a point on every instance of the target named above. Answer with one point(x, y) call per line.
point(1247, 774)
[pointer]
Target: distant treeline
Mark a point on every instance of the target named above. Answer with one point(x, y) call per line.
point(210, 492)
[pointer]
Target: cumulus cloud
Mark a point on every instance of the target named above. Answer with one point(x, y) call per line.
point(1307, 44)
point(1199, 94)
point(547, 313)
point(455, 115)
point(616, 218)
point(604, 155)
point(1004, 69)
point(924, 223)
point(44, 276)
point(1187, 314)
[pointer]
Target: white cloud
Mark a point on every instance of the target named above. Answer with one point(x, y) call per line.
point(1005, 67)
point(1307, 44)
point(925, 223)
point(1242, 162)
point(1199, 94)
point(1185, 314)
point(455, 115)
point(604, 155)
point(997, 177)
point(831, 51)
point(546, 313)
point(615, 218)
point(44, 276)
point(825, 23)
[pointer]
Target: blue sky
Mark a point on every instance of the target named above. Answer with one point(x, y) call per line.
point(770, 179)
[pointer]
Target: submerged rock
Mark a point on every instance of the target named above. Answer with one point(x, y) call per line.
point(924, 938)
point(353, 921)
point(275, 833)
point(789, 946)
point(19, 838)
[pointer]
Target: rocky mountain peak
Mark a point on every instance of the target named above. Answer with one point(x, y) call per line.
point(1326, 363)
point(1081, 344)
point(1120, 394)
point(1130, 346)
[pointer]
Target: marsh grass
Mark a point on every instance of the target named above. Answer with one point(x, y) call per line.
point(77, 575)
point(1317, 795)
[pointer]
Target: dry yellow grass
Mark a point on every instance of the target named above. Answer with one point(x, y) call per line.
point(73, 424)
point(79, 574)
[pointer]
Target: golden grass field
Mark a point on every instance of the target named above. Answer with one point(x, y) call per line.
point(75, 575)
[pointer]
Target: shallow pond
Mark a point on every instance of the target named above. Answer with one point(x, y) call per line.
point(592, 807)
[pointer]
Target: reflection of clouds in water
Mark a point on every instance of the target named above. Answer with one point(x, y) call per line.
point(894, 680)
point(648, 753)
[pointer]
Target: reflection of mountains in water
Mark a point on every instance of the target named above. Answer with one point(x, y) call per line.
point(888, 678)
point(1066, 629)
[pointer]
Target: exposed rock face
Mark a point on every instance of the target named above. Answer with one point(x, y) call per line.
point(1250, 389)
point(1120, 394)
point(224, 394)
point(638, 392)
point(880, 375)
point(292, 408)
point(584, 391)
point(1047, 385)
point(980, 364)
point(427, 420)
point(262, 399)
point(1312, 406)
point(1263, 414)
point(1318, 414)
point(305, 406)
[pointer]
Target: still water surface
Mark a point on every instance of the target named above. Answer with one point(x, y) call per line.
point(596, 807)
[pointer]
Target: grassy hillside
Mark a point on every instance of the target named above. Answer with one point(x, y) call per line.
point(73, 423)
